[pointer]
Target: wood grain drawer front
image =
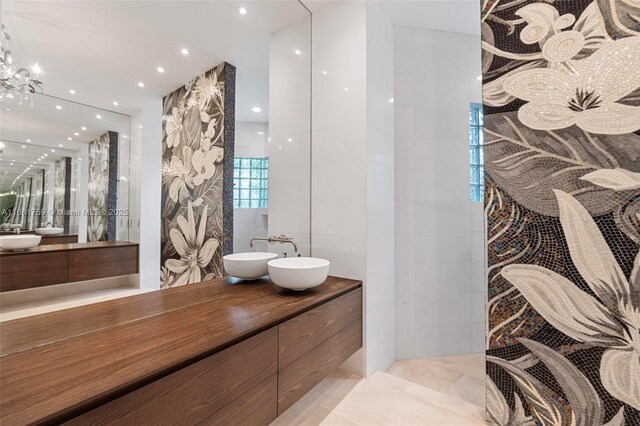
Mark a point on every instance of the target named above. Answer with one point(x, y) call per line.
point(194, 393)
point(91, 264)
point(27, 270)
point(301, 334)
point(62, 239)
point(258, 407)
point(303, 374)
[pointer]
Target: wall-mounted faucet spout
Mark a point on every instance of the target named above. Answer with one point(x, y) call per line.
point(273, 239)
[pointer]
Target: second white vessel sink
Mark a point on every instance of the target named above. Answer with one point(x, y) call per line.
point(247, 266)
point(19, 242)
point(298, 273)
point(49, 231)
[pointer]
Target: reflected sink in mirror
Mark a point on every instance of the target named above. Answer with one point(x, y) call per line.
point(248, 266)
point(19, 242)
point(299, 273)
point(49, 231)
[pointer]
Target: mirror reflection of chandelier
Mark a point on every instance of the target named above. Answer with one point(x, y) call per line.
point(16, 84)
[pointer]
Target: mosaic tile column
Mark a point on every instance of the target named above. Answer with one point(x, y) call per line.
point(561, 94)
point(197, 177)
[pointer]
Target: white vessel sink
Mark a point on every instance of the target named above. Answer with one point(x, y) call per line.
point(248, 266)
point(19, 242)
point(298, 273)
point(49, 231)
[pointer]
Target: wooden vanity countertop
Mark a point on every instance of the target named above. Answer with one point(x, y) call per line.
point(56, 365)
point(68, 246)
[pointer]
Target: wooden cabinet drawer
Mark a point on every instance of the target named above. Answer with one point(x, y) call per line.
point(304, 373)
point(91, 264)
point(59, 239)
point(26, 270)
point(196, 392)
point(299, 335)
point(257, 407)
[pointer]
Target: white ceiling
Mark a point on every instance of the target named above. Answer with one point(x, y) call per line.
point(102, 49)
point(460, 16)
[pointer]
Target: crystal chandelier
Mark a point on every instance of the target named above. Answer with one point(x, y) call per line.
point(15, 84)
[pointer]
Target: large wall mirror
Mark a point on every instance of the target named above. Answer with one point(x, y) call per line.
point(64, 166)
point(175, 132)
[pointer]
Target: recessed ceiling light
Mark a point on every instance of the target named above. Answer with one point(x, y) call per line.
point(28, 140)
point(98, 116)
point(261, 133)
point(53, 150)
point(73, 92)
point(83, 128)
point(140, 126)
point(242, 10)
point(76, 133)
point(69, 138)
point(140, 84)
point(184, 51)
point(391, 100)
point(116, 103)
point(297, 52)
point(23, 146)
point(125, 136)
point(289, 140)
point(324, 72)
point(256, 109)
point(58, 107)
point(346, 89)
point(60, 145)
point(46, 155)
point(160, 70)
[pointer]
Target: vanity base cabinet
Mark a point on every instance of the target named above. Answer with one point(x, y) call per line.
point(92, 264)
point(27, 270)
point(257, 407)
point(197, 392)
point(303, 374)
point(251, 382)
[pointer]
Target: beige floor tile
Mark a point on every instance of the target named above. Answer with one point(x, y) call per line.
point(384, 400)
point(461, 376)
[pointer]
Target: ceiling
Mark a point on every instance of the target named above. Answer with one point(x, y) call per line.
point(460, 16)
point(102, 49)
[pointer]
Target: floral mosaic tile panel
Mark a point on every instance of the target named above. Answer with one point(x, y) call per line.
point(561, 95)
point(102, 187)
point(197, 138)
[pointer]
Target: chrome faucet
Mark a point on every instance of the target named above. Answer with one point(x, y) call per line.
point(16, 230)
point(279, 239)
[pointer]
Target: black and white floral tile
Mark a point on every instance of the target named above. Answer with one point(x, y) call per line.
point(102, 187)
point(561, 94)
point(196, 135)
point(62, 193)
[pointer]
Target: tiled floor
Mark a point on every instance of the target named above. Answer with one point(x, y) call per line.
point(461, 376)
point(432, 391)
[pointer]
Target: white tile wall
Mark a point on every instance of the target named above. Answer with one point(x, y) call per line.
point(439, 274)
point(353, 167)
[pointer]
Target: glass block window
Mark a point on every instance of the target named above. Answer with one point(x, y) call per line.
point(250, 183)
point(476, 151)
